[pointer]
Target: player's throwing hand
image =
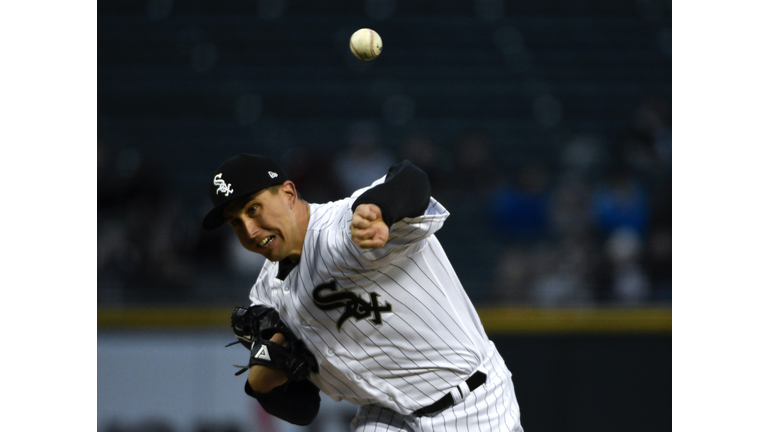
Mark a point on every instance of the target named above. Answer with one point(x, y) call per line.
point(369, 231)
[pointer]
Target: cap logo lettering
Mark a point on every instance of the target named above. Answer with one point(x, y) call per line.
point(223, 186)
point(272, 174)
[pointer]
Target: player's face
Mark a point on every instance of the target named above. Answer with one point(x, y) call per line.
point(265, 222)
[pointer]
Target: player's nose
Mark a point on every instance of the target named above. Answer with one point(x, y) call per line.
point(252, 228)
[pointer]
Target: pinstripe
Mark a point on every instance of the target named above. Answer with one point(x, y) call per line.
point(419, 350)
point(378, 418)
point(401, 351)
point(369, 354)
point(415, 314)
point(332, 374)
point(364, 350)
point(504, 395)
point(488, 411)
point(476, 410)
point(433, 298)
point(320, 217)
point(455, 417)
point(370, 256)
point(325, 342)
point(405, 339)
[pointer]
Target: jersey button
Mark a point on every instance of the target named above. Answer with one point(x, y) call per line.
point(357, 377)
point(391, 398)
point(330, 352)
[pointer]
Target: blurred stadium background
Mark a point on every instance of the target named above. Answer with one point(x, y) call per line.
point(545, 128)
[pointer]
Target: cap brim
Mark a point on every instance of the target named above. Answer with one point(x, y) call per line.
point(215, 218)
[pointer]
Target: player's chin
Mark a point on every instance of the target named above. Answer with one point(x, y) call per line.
point(274, 251)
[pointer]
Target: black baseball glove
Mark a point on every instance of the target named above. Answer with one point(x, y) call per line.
point(254, 327)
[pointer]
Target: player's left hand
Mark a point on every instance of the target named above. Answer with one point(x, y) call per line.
point(369, 231)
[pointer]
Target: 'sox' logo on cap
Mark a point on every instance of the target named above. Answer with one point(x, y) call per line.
point(223, 186)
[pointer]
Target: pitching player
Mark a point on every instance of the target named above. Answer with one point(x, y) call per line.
point(364, 287)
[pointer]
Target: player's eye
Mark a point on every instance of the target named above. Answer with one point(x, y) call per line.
point(234, 222)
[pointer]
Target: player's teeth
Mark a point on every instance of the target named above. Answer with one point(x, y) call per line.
point(265, 241)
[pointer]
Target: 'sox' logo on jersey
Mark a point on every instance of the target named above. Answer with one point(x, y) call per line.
point(223, 186)
point(353, 304)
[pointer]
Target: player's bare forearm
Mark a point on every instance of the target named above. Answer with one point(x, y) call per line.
point(262, 379)
point(368, 229)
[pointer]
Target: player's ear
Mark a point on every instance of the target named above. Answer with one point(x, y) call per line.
point(288, 188)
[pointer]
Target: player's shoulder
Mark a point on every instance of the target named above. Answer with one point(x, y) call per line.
point(326, 216)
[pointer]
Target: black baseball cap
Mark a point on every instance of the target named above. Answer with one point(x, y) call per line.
point(240, 176)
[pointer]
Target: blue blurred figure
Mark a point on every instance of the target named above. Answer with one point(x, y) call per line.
point(521, 212)
point(621, 204)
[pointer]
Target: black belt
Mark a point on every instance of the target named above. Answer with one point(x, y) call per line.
point(476, 380)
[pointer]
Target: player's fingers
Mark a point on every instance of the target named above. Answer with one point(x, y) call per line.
point(376, 237)
point(359, 235)
point(279, 339)
point(358, 222)
point(369, 215)
point(373, 243)
point(369, 212)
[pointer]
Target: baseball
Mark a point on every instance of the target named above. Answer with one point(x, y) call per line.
point(365, 44)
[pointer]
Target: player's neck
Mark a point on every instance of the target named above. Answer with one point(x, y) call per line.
point(302, 222)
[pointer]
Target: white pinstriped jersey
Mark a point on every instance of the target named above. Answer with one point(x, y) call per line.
point(390, 326)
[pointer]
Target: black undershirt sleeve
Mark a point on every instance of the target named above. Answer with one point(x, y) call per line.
point(296, 402)
point(404, 193)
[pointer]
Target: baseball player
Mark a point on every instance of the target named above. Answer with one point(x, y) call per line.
point(357, 299)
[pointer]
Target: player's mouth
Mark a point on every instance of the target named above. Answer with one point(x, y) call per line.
point(266, 241)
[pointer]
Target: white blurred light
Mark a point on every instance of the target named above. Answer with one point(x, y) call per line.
point(547, 110)
point(623, 245)
point(398, 109)
point(380, 9)
point(158, 9)
point(203, 57)
point(248, 108)
point(271, 9)
point(490, 10)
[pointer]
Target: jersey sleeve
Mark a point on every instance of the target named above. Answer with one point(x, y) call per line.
point(405, 192)
point(406, 236)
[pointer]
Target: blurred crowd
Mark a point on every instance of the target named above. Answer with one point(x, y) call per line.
point(590, 224)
